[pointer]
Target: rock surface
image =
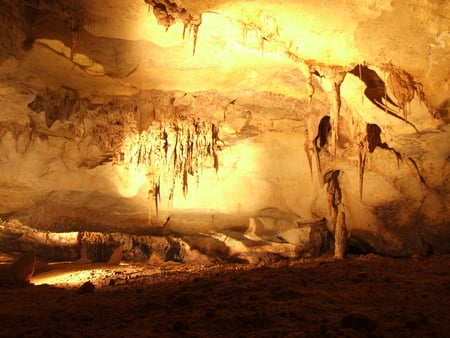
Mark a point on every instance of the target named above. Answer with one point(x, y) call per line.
point(112, 122)
point(357, 297)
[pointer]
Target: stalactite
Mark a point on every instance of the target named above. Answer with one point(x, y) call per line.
point(167, 12)
point(309, 150)
point(368, 143)
point(402, 85)
point(75, 15)
point(362, 155)
point(263, 22)
point(212, 145)
point(170, 152)
point(376, 91)
point(186, 18)
point(337, 79)
point(156, 195)
point(196, 22)
point(360, 78)
point(336, 76)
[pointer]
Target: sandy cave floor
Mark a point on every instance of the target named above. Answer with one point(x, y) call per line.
point(362, 296)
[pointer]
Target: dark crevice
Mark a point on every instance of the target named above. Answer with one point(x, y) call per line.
point(359, 248)
point(374, 140)
point(370, 142)
point(323, 132)
point(373, 137)
point(320, 141)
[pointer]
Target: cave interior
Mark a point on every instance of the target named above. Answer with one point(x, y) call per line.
point(226, 133)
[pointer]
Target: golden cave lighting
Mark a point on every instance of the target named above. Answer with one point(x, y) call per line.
point(166, 154)
point(70, 277)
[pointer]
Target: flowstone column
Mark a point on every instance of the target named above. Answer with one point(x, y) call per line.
point(337, 212)
point(340, 234)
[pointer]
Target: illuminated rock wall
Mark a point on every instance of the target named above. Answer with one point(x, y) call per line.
point(287, 114)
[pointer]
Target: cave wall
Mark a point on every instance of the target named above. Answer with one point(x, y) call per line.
point(284, 121)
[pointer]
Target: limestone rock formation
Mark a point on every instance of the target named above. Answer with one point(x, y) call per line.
point(249, 125)
point(116, 256)
point(23, 269)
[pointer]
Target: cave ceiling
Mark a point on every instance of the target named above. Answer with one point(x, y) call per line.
point(113, 47)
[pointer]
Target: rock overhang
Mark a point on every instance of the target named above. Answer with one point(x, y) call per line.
point(262, 72)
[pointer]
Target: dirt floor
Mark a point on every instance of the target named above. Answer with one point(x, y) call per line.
point(361, 296)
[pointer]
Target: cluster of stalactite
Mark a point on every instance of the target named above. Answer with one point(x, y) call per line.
point(322, 146)
point(170, 152)
point(403, 87)
point(167, 12)
point(263, 23)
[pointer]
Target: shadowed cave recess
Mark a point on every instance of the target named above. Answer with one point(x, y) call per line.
point(228, 131)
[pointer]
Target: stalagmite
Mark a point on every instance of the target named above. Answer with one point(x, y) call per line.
point(340, 236)
point(116, 256)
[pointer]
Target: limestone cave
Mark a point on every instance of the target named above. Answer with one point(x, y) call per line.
point(225, 168)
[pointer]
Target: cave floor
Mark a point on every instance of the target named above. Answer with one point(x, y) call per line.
point(361, 296)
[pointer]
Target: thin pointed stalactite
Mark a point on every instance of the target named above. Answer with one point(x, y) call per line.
point(212, 148)
point(362, 155)
point(157, 196)
point(186, 17)
point(185, 25)
point(376, 92)
point(402, 85)
point(244, 33)
point(196, 22)
point(360, 78)
point(308, 147)
point(335, 111)
point(261, 44)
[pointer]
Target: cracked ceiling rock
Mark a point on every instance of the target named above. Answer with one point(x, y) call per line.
point(87, 64)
